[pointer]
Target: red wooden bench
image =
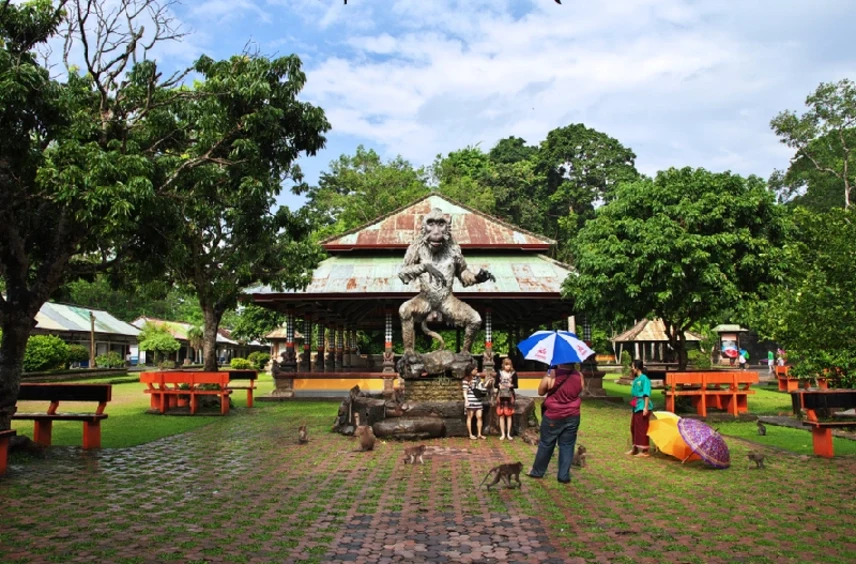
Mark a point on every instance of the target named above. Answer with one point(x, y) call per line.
point(167, 387)
point(55, 393)
point(720, 389)
point(4, 448)
point(244, 375)
point(812, 401)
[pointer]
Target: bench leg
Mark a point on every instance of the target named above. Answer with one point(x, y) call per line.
point(4, 454)
point(224, 404)
point(194, 403)
point(822, 439)
point(249, 398)
point(670, 403)
point(42, 432)
point(91, 434)
point(700, 402)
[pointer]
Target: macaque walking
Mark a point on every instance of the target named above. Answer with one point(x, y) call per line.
point(757, 458)
point(414, 452)
point(504, 472)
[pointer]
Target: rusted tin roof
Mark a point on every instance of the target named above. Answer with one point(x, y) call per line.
point(178, 329)
point(518, 274)
point(471, 229)
point(647, 331)
point(54, 317)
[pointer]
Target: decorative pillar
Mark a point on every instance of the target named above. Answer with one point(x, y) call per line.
point(355, 358)
point(340, 349)
point(319, 350)
point(346, 349)
point(388, 356)
point(283, 371)
point(487, 364)
point(329, 346)
point(307, 344)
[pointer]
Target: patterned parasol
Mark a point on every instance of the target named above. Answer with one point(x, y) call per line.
point(705, 442)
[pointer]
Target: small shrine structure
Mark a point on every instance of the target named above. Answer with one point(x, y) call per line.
point(357, 288)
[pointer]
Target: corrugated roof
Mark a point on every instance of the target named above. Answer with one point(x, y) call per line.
point(647, 331)
point(471, 229)
point(729, 328)
point(178, 329)
point(349, 274)
point(64, 317)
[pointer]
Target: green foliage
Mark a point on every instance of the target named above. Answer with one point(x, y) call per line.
point(78, 353)
point(837, 365)
point(111, 359)
point(699, 359)
point(812, 312)
point(259, 359)
point(462, 175)
point(45, 352)
point(684, 247)
point(166, 364)
point(360, 188)
point(241, 364)
point(626, 360)
point(156, 338)
point(825, 141)
point(254, 322)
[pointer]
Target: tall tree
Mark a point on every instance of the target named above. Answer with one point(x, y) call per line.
point(824, 138)
point(462, 176)
point(684, 247)
point(156, 299)
point(74, 166)
point(361, 187)
point(219, 233)
point(512, 150)
point(812, 311)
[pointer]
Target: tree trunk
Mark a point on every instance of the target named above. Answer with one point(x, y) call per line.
point(682, 350)
point(209, 337)
point(16, 332)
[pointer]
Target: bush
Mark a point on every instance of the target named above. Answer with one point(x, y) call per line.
point(109, 360)
point(699, 359)
point(45, 352)
point(78, 353)
point(259, 359)
point(241, 364)
point(625, 363)
point(166, 364)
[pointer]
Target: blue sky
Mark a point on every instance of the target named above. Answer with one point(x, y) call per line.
point(681, 82)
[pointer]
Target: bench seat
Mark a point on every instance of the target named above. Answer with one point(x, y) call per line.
point(248, 376)
point(55, 393)
point(165, 387)
point(726, 390)
point(4, 448)
point(821, 435)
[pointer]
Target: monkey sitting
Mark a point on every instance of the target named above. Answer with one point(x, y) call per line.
point(414, 452)
point(579, 457)
point(504, 472)
point(302, 435)
point(366, 436)
point(757, 458)
point(531, 436)
point(762, 430)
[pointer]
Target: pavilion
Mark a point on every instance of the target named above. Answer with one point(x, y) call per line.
point(357, 287)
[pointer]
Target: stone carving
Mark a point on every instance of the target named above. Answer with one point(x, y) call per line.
point(286, 366)
point(435, 260)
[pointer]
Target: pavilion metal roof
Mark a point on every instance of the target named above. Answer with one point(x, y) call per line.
point(470, 228)
point(178, 329)
point(648, 331)
point(354, 275)
point(55, 317)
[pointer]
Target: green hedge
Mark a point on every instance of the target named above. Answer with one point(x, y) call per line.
point(45, 352)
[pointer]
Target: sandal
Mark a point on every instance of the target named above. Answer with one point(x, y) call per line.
point(473, 437)
point(482, 437)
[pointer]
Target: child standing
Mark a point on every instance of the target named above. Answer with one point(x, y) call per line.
point(472, 404)
point(640, 402)
point(506, 398)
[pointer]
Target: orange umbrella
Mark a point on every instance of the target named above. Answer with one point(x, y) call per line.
point(664, 432)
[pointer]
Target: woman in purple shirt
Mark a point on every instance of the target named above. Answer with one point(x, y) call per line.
point(560, 420)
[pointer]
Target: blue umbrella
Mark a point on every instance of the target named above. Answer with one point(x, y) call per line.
point(554, 347)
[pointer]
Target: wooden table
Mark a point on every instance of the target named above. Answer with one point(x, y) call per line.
point(814, 401)
point(167, 388)
point(721, 389)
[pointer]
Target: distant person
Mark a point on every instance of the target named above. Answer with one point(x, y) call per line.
point(507, 379)
point(472, 404)
point(771, 361)
point(640, 403)
point(560, 420)
point(741, 360)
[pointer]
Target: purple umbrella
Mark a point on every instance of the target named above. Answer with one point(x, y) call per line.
point(705, 442)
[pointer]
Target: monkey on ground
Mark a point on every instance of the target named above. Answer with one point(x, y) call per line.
point(579, 457)
point(504, 472)
point(762, 430)
point(531, 436)
point(366, 436)
point(302, 435)
point(757, 458)
point(414, 452)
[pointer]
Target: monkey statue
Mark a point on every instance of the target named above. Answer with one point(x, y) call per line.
point(504, 472)
point(435, 260)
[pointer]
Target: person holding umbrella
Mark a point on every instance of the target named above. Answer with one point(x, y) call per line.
point(640, 402)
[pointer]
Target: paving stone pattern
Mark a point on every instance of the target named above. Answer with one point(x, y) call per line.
point(242, 490)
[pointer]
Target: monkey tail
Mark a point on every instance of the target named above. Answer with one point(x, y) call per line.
point(432, 334)
point(486, 476)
